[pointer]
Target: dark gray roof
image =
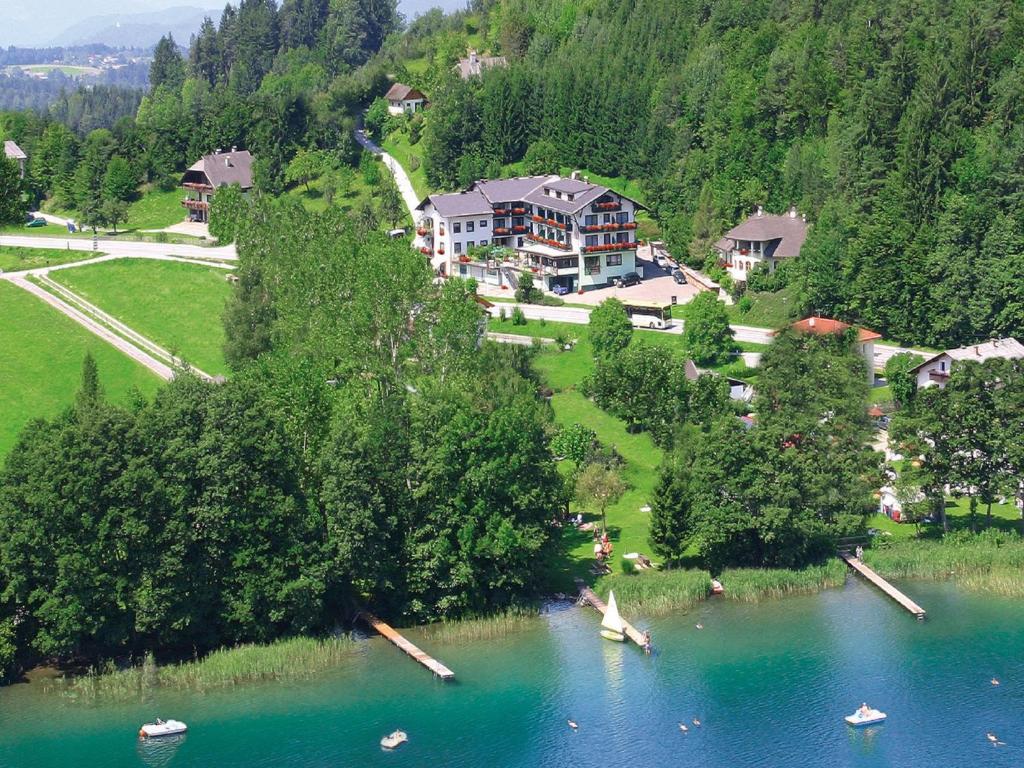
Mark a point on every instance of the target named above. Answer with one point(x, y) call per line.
point(13, 151)
point(582, 196)
point(222, 169)
point(790, 230)
point(572, 186)
point(470, 203)
point(402, 92)
point(509, 190)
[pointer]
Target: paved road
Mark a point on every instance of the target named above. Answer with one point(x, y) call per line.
point(745, 333)
point(123, 247)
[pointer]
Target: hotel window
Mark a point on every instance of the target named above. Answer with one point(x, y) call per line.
point(621, 237)
point(614, 259)
point(458, 247)
point(469, 244)
point(590, 220)
point(457, 227)
point(483, 223)
point(591, 240)
point(592, 265)
point(483, 243)
point(470, 226)
point(622, 217)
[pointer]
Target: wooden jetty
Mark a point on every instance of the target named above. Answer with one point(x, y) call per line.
point(435, 666)
point(859, 566)
point(588, 595)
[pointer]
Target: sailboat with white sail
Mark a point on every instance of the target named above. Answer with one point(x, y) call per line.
point(612, 626)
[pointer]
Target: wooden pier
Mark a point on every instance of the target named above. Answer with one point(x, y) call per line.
point(435, 666)
point(588, 595)
point(882, 584)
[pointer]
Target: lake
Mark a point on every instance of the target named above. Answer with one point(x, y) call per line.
point(770, 683)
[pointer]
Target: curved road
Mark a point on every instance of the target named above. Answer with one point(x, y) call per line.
point(123, 247)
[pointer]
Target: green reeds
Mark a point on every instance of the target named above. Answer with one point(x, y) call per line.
point(300, 657)
point(992, 562)
point(481, 627)
point(657, 592)
point(750, 585)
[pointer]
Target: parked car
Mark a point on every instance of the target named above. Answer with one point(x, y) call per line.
point(663, 261)
point(560, 290)
point(679, 276)
point(630, 278)
point(37, 222)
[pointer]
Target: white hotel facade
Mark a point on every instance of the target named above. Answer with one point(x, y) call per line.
point(565, 231)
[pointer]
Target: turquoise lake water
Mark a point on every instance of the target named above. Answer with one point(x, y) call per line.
point(769, 682)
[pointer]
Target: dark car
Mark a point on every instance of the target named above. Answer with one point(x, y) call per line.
point(560, 290)
point(630, 278)
point(679, 276)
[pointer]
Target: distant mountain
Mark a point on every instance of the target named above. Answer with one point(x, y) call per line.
point(136, 30)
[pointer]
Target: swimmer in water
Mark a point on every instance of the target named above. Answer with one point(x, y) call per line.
point(700, 626)
point(995, 681)
point(696, 721)
point(572, 724)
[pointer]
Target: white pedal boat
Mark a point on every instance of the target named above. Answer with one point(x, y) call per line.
point(394, 739)
point(865, 717)
point(162, 728)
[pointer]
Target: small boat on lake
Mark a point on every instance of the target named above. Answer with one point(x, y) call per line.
point(394, 739)
point(162, 728)
point(865, 715)
point(613, 628)
point(716, 587)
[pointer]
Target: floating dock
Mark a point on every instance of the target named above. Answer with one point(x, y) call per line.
point(435, 666)
point(588, 595)
point(859, 566)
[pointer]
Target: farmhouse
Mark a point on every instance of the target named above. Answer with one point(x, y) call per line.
point(823, 326)
point(202, 180)
point(404, 100)
point(475, 64)
point(935, 370)
point(763, 238)
point(567, 232)
point(13, 152)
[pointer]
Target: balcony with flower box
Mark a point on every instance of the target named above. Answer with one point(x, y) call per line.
point(520, 229)
point(614, 226)
point(195, 205)
point(607, 205)
point(502, 231)
point(602, 248)
point(518, 210)
point(548, 242)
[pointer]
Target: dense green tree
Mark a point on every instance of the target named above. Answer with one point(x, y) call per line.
point(610, 329)
point(707, 337)
point(902, 383)
point(119, 181)
point(168, 67)
point(12, 206)
point(600, 486)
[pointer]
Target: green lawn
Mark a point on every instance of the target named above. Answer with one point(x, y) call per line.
point(397, 145)
point(179, 306)
point(15, 259)
point(768, 310)
point(41, 363)
point(156, 209)
point(50, 230)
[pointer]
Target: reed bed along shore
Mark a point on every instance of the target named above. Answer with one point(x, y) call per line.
point(481, 627)
point(992, 562)
point(750, 585)
point(295, 658)
point(657, 592)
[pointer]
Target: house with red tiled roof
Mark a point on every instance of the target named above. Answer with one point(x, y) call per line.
point(763, 238)
point(824, 326)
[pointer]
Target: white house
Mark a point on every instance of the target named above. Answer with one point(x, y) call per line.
point(13, 152)
point(935, 370)
point(404, 100)
point(475, 64)
point(206, 175)
point(891, 502)
point(567, 232)
point(823, 326)
point(762, 238)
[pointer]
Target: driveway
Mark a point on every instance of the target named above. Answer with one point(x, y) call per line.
point(657, 285)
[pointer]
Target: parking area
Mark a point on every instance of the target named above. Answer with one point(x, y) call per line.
point(657, 285)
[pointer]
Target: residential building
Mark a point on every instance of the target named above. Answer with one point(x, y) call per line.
point(202, 180)
point(568, 232)
point(824, 326)
point(13, 152)
point(404, 100)
point(935, 370)
point(763, 238)
point(475, 64)
point(738, 389)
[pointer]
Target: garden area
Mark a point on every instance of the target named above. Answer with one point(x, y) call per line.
point(15, 259)
point(177, 305)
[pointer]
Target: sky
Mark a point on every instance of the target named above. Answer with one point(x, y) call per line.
point(38, 23)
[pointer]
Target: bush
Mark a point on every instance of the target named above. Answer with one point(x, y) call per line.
point(575, 442)
point(762, 280)
point(502, 315)
point(744, 304)
point(518, 318)
point(526, 293)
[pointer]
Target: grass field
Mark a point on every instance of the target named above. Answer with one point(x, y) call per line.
point(177, 305)
point(14, 259)
point(768, 310)
point(397, 145)
point(41, 355)
point(156, 209)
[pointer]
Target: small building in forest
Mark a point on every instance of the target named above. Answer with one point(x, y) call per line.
point(935, 371)
point(763, 238)
point(13, 152)
point(404, 100)
point(475, 64)
point(823, 326)
point(202, 180)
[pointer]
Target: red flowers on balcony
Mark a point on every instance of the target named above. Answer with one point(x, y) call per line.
point(426, 251)
point(440, 250)
point(518, 211)
point(744, 251)
point(538, 219)
point(546, 241)
point(610, 247)
point(422, 231)
point(612, 227)
point(519, 228)
point(501, 211)
point(501, 230)
point(611, 205)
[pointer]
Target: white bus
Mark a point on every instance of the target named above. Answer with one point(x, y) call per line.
point(649, 314)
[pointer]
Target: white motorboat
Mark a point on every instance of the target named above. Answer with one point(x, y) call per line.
point(394, 739)
point(865, 716)
point(162, 728)
point(614, 629)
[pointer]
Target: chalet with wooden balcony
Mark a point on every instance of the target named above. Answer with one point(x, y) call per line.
point(211, 172)
point(763, 238)
point(935, 371)
point(569, 233)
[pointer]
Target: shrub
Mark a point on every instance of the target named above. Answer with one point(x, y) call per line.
point(502, 315)
point(518, 318)
point(744, 304)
